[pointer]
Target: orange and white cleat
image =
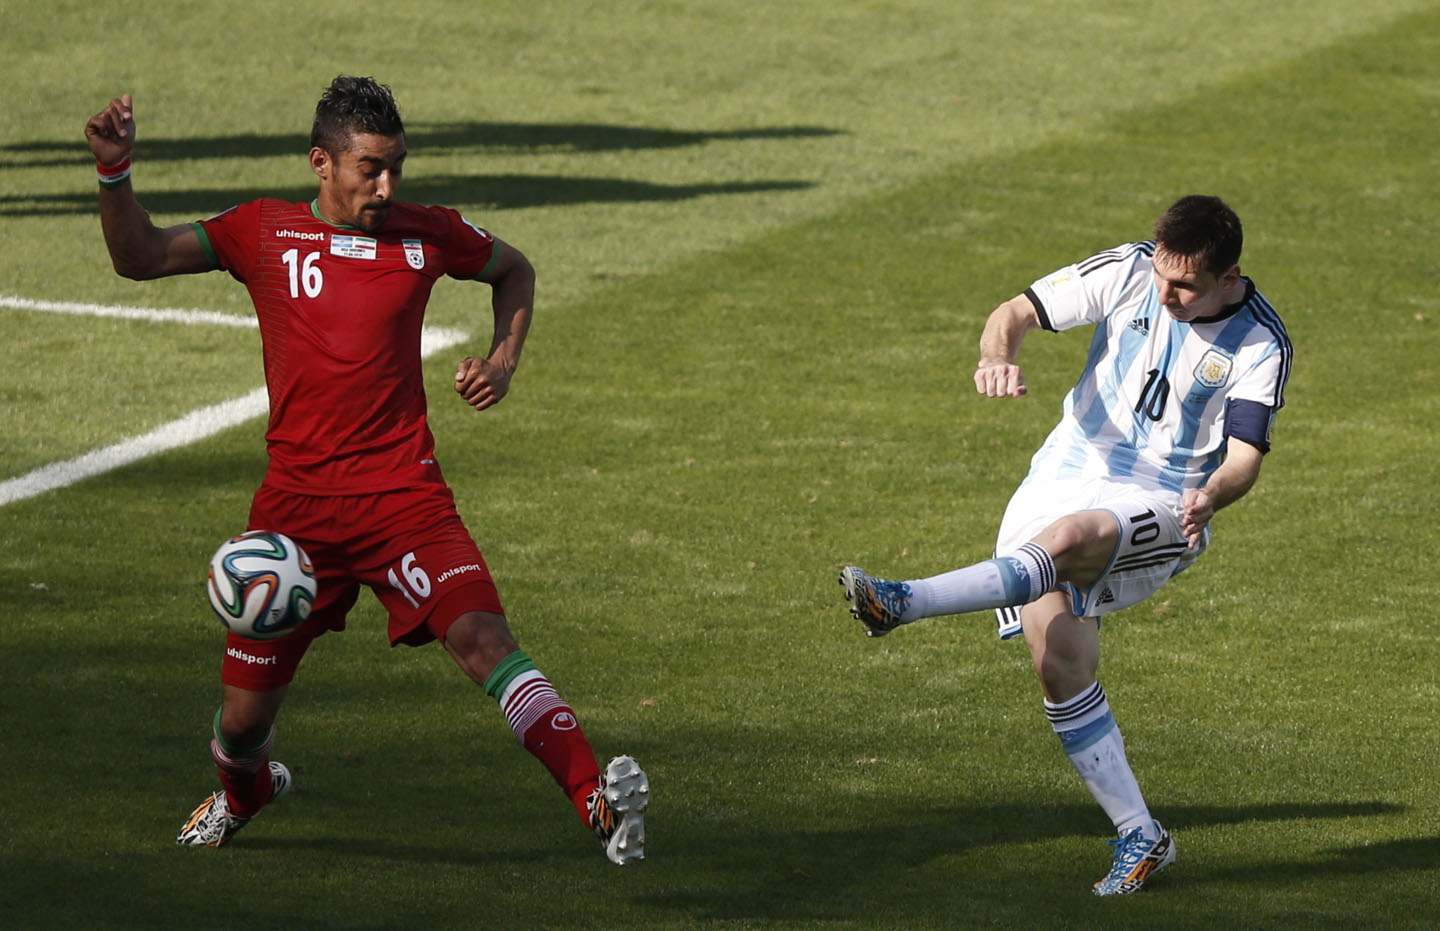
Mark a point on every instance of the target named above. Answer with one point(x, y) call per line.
point(212, 825)
point(1136, 861)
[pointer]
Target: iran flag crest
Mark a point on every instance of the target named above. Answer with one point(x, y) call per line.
point(414, 253)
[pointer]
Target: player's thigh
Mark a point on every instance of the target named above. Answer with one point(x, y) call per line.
point(323, 526)
point(267, 665)
point(1038, 504)
point(1152, 548)
point(430, 570)
point(1081, 544)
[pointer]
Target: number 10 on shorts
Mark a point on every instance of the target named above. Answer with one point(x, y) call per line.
point(412, 582)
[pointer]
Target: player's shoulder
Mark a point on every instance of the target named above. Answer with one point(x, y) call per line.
point(1125, 258)
point(267, 210)
point(1266, 321)
point(431, 220)
point(413, 213)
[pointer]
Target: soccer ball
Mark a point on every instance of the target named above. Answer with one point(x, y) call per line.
point(261, 584)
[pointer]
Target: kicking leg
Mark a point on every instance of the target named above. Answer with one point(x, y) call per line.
point(613, 803)
point(1076, 548)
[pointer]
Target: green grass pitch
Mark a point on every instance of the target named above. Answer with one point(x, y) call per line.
point(766, 238)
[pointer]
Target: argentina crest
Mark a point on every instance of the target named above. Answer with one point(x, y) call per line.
point(1214, 368)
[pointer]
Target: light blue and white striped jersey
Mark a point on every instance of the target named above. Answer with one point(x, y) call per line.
point(1157, 397)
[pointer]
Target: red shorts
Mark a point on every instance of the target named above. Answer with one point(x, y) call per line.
point(410, 547)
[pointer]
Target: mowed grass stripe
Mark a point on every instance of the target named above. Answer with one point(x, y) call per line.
point(803, 108)
point(192, 428)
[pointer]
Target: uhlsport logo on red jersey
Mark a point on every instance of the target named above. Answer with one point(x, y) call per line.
point(563, 721)
point(449, 574)
point(251, 658)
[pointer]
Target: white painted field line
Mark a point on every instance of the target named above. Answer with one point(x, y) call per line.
point(157, 314)
point(193, 427)
point(196, 425)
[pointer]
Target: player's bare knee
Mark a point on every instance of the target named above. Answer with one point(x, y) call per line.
point(479, 640)
point(1066, 537)
point(1081, 544)
point(245, 724)
point(1064, 677)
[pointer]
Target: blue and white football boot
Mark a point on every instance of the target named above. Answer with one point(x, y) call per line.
point(876, 603)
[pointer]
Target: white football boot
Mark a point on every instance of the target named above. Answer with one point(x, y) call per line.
point(617, 810)
point(212, 825)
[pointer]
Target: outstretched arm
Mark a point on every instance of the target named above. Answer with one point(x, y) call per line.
point(483, 382)
point(997, 375)
point(1226, 485)
point(138, 249)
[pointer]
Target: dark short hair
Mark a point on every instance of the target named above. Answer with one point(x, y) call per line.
point(1202, 229)
point(353, 105)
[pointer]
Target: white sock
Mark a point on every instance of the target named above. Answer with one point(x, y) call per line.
point(1092, 741)
point(1013, 579)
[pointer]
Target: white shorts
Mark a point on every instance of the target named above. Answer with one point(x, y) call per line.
point(1151, 551)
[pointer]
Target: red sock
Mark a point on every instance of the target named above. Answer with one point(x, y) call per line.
point(546, 726)
point(245, 776)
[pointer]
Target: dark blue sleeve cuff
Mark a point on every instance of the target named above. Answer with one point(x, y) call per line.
point(1250, 421)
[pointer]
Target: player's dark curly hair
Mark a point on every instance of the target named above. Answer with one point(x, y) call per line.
point(353, 105)
point(1202, 229)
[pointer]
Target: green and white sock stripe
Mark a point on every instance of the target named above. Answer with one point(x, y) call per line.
point(234, 754)
point(506, 670)
point(525, 694)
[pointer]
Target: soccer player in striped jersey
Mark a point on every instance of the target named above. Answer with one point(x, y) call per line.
point(1167, 424)
point(340, 286)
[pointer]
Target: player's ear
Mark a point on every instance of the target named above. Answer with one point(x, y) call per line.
point(1230, 277)
point(321, 163)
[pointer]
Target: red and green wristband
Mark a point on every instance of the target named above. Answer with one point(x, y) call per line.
point(112, 176)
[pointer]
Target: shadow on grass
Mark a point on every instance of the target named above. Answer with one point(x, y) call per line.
point(1413, 854)
point(738, 872)
point(906, 851)
point(910, 842)
point(374, 801)
point(492, 191)
point(537, 138)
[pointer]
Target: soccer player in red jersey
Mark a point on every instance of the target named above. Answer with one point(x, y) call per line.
point(340, 287)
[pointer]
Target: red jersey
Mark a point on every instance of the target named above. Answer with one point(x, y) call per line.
point(340, 312)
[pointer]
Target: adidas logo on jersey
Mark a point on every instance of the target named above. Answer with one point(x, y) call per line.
point(1140, 325)
point(1106, 597)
